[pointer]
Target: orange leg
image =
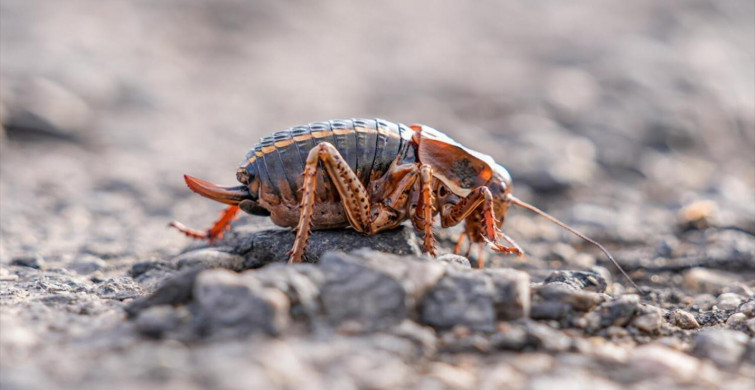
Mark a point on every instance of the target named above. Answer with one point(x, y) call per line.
point(479, 200)
point(423, 216)
point(216, 231)
point(353, 195)
point(460, 243)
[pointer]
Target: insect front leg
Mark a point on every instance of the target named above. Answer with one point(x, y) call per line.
point(353, 195)
point(480, 200)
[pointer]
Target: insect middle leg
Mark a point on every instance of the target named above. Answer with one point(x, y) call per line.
point(480, 200)
point(354, 196)
point(423, 217)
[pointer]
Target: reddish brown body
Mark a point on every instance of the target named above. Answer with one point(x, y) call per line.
point(368, 174)
point(371, 175)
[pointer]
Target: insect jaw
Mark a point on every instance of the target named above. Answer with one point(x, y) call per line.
point(228, 195)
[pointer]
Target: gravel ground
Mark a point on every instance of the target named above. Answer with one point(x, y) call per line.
point(633, 121)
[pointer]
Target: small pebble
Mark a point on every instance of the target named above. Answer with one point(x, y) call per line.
point(649, 321)
point(736, 320)
point(724, 347)
point(684, 320)
point(728, 301)
point(33, 261)
point(703, 280)
point(748, 308)
point(658, 360)
point(751, 325)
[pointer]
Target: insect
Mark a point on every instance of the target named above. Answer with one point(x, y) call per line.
point(371, 175)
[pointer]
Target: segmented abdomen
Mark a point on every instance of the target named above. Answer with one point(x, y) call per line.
point(369, 146)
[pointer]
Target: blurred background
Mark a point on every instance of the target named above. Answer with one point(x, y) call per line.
point(612, 115)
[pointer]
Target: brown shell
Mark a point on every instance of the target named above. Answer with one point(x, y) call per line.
point(459, 168)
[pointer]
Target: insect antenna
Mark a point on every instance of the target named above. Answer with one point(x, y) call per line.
point(516, 201)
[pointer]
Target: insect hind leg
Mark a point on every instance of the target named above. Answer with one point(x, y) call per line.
point(353, 195)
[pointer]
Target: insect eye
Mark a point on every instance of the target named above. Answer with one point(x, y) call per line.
point(442, 191)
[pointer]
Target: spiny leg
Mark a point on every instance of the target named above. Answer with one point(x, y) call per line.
point(423, 216)
point(480, 200)
point(353, 195)
point(216, 231)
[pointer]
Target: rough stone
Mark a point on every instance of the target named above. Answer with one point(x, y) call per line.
point(648, 320)
point(87, 264)
point(175, 290)
point(748, 308)
point(723, 346)
point(582, 280)
point(372, 289)
point(511, 293)
point(262, 247)
point(34, 261)
point(476, 299)
point(618, 312)
point(300, 282)
point(684, 319)
point(728, 301)
point(575, 299)
point(209, 258)
point(655, 360)
point(455, 260)
point(230, 304)
point(157, 320)
point(736, 321)
point(703, 280)
point(119, 288)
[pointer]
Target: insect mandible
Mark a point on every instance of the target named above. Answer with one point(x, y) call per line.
point(371, 175)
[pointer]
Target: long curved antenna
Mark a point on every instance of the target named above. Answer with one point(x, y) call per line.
point(516, 201)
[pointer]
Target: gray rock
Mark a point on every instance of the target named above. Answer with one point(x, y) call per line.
point(723, 346)
point(748, 308)
point(737, 321)
point(119, 288)
point(455, 260)
point(175, 290)
point(157, 320)
point(43, 107)
point(461, 298)
point(300, 282)
point(683, 319)
point(373, 290)
point(656, 360)
point(648, 320)
point(618, 312)
point(511, 293)
point(33, 261)
point(231, 304)
point(703, 280)
point(574, 299)
point(87, 264)
point(477, 299)
point(209, 258)
point(728, 301)
point(546, 337)
point(263, 247)
point(583, 280)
